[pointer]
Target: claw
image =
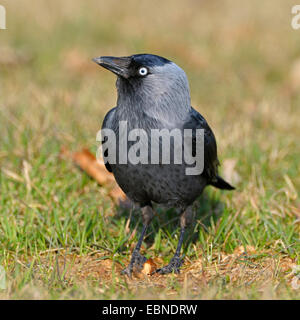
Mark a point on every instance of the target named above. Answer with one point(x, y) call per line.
point(173, 266)
point(137, 261)
point(127, 271)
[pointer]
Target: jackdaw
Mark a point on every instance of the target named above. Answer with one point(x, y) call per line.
point(153, 94)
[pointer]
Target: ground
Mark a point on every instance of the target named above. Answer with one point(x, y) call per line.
point(62, 236)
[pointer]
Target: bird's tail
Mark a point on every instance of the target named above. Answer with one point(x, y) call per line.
point(220, 183)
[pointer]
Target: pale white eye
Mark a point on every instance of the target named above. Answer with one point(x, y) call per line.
point(143, 71)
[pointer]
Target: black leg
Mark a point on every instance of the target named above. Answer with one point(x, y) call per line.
point(176, 261)
point(180, 242)
point(137, 260)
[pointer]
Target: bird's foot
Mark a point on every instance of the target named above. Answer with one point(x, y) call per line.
point(137, 261)
point(174, 265)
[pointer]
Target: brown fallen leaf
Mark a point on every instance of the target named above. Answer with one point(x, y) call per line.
point(149, 267)
point(119, 197)
point(96, 169)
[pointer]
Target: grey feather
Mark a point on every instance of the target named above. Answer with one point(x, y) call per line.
point(159, 100)
point(153, 93)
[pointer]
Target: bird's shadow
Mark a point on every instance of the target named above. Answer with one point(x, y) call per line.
point(208, 209)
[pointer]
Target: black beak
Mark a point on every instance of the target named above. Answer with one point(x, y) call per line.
point(119, 66)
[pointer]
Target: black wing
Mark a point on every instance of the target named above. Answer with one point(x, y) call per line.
point(108, 119)
point(211, 162)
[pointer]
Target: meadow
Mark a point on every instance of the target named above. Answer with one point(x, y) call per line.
point(61, 234)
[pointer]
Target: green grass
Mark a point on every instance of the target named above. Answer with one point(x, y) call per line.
point(241, 61)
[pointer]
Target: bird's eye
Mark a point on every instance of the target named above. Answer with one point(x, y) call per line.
point(143, 71)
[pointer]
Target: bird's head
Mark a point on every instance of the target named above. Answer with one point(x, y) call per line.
point(148, 77)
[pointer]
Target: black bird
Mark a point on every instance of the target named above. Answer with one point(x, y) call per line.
point(153, 93)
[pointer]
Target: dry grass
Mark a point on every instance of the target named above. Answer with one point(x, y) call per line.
point(238, 275)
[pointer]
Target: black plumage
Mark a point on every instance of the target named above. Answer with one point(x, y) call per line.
point(153, 94)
